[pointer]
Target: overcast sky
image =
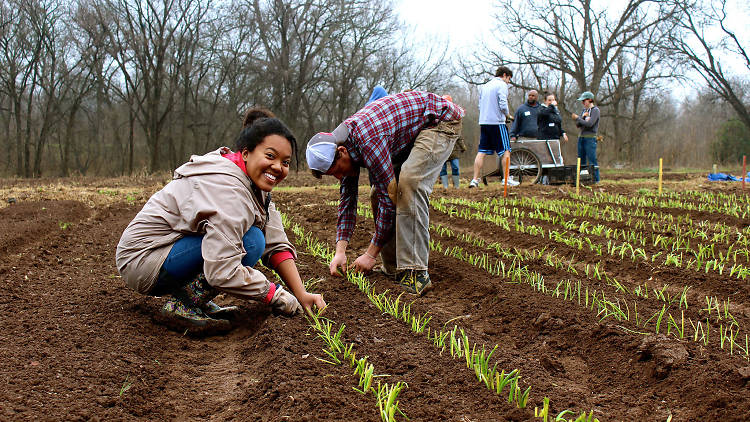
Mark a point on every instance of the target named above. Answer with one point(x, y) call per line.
point(463, 23)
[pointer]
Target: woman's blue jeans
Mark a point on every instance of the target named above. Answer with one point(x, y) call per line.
point(587, 151)
point(454, 167)
point(185, 260)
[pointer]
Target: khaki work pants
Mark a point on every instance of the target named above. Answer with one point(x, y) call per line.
point(409, 247)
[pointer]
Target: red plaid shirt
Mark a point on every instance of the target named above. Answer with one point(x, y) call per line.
point(377, 133)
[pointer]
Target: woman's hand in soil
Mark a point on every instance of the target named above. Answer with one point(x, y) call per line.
point(338, 263)
point(364, 263)
point(310, 300)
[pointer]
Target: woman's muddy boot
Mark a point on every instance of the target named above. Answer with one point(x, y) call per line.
point(201, 295)
point(181, 315)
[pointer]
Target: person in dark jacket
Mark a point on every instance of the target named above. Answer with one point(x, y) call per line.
point(524, 121)
point(549, 120)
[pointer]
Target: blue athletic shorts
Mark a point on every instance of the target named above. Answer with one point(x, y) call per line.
point(493, 139)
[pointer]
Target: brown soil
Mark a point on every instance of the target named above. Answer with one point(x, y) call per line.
point(78, 345)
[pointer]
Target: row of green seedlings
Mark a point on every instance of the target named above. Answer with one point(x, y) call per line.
point(698, 196)
point(641, 291)
point(711, 197)
point(363, 210)
point(638, 218)
point(550, 259)
point(728, 329)
point(672, 245)
point(614, 249)
point(616, 308)
point(730, 208)
point(456, 340)
point(476, 360)
point(554, 211)
point(338, 353)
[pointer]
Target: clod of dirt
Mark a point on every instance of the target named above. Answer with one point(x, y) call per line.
point(744, 373)
point(545, 320)
point(542, 319)
point(664, 352)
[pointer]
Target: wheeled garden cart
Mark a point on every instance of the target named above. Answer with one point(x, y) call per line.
point(540, 161)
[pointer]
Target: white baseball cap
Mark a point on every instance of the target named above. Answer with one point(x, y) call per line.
point(321, 149)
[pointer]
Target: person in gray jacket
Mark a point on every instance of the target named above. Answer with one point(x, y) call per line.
point(206, 229)
point(588, 123)
point(493, 132)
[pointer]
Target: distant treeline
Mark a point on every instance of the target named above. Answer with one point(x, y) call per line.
point(111, 87)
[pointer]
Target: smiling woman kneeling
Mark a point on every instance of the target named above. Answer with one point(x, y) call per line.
point(206, 229)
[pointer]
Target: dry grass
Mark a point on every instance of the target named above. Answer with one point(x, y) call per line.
point(93, 192)
point(97, 192)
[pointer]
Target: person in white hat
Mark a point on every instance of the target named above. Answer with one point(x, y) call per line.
point(403, 140)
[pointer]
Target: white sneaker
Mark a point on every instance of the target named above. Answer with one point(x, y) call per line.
point(474, 183)
point(511, 182)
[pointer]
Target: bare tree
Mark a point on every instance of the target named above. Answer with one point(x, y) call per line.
point(709, 55)
point(637, 84)
point(574, 46)
point(295, 36)
point(107, 86)
point(21, 46)
point(362, 34)
point(144, 40)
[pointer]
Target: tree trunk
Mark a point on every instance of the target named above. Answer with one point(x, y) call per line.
point(131, 139)
point(27, 134)
point(19, 138)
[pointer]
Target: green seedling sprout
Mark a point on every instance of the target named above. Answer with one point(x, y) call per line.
point(125, 385)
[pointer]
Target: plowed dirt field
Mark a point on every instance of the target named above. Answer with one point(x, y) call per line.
point(622, 332)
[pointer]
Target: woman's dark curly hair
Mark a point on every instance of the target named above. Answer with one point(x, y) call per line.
point(260, 127)
point(254, 113)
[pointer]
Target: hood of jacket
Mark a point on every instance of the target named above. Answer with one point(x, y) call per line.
point(212, 163)
point(215, 163)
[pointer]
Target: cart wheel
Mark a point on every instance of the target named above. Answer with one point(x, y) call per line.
point(525, 165)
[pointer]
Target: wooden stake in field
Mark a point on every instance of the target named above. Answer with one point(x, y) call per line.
point(660, 173)
point(744, 170)
point(507, 173)
point(578, 175)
